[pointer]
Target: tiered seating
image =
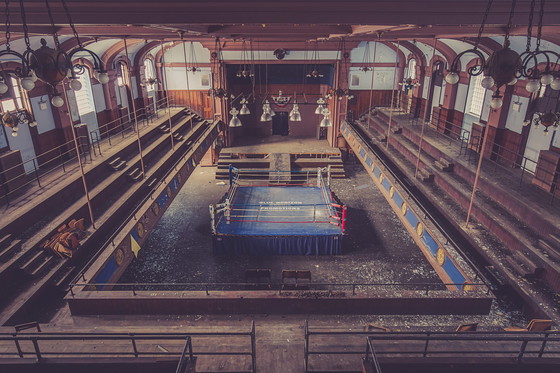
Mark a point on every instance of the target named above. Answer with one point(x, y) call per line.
point(444, 165)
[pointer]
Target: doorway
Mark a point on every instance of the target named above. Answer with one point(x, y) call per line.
point(280, 124)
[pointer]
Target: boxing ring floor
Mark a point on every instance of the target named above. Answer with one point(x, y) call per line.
point(279, 220)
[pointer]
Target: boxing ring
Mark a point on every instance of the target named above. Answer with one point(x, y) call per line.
point(275, 216)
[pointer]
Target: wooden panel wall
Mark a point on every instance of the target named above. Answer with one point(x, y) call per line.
point(361, 101)
point(196, 100)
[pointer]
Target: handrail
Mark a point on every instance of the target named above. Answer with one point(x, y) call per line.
point(424, 288)
point(486, 342)
point(135, 209)
point(425, 211)
point(121, 350)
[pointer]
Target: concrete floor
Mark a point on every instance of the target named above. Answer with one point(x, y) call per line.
point(376, 249)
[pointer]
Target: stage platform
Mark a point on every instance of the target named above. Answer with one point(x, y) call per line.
point(267, 220)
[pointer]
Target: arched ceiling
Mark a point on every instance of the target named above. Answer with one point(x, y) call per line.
point(288, 24)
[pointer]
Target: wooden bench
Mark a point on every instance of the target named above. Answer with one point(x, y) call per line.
point(164, 128)
point(113, 162)
point(296, 276)
point(259, 277)
point(119, 165)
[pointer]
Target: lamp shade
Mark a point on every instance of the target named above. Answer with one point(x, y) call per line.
point(244, 110)
point(266, 117)
point(326, 122)
point(235, 122)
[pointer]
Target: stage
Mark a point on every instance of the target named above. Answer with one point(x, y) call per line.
point(267, 220)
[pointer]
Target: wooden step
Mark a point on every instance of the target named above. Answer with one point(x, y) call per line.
point(381, 138)
point(10, 250)
point(549, 250)
point(48, 259)
point(518, 268)
point(5, 241)
point(396, 130)
point(443, 167)
point(113, 162)
point(425, 175)
point(119, 165)
point(555, 240)
point(30, 264)
point(527, 262)
point(64, 278)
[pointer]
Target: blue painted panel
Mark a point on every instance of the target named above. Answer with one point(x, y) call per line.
point(411, 217)
point(362, 153)
point(369, 162)
point(376, 172)
point(386, 184)
point(430, 243)
point(162, 199)
point(135, 234)
point(174, 184)
point(343, 127)
point(452, 271)
point(347, 131)
point(106, 273)
point(397, 199)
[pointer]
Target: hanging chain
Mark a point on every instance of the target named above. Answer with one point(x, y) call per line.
point(539, 30)
point(8, 24)
point(71, 23)
point(24, 21)
point(55, 34)
point(530, 26)
point(508, 27)
point(481, 29)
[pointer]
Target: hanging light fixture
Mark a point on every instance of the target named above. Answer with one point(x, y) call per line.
point(12, 119)
point(246, 69)
point(217, 58)
point(244, 109)
point(321, 105)
point(268, 113)
point(500, 68)
point(326, 122)
point(234, 121)
point(314, 73)
point(547, 75)
point(192, 61)
point(295, 115)
point(49, 65)
point(547, 119)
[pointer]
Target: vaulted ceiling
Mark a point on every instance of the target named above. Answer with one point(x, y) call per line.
point(289, 24)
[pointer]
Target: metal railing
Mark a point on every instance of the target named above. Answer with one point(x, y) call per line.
point(371, 358)
point(86, 345)
point(426, 212)
point(500, 156)
point(327, 289)
point(67, 154)
point(499, 344)
point(150, 196)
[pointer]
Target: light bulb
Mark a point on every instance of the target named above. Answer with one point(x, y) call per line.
point(496, 102)
point(15, 129)
point(526, 122)
point(14, 133)
point(75, 84)
point(103, 78)
point(555, 84)
point(513, 81)
point(28, 84)
point(452, 78)
point(547, 79)
point(487, 82)
point(3, 88)
point(532, 85)
point(33, 124)
point(57, 101)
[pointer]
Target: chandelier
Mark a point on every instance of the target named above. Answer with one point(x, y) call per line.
point(246, 69)
point(217, 57)
point(320, 106)
point(530, 59)
point(12, 119)
point(546, 119)
point(268, 113)
point(326, 122)
point(193, 62)
point(314, 73)
point(409, 84)
point(49, 65)
point(244, 108)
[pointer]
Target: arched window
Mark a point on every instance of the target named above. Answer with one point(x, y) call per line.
point(411, 69)
point(12, 100)
point(477, 93)
point(122, 73)
point(150, 74)
point(84, 97)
